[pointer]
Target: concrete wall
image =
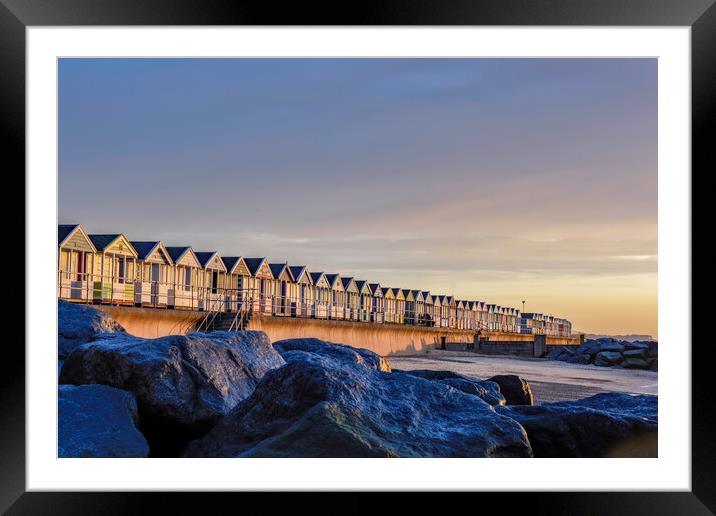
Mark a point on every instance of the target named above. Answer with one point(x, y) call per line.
point(151, 322)
point(519, 347)
point(384, 339)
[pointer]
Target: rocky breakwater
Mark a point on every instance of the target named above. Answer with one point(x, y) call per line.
point(609, 352)
point(236, 395)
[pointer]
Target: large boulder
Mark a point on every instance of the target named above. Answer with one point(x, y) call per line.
point(515, 390)
point(612, 346)
point(635, 363)
point(640, 353)
point(608, 358)
point(77, 324)
point(303, 349)
point(590, 347)
point(98, 421)
point(605, 425)
point(489, 391)
point(183, 383)
point(318, 408)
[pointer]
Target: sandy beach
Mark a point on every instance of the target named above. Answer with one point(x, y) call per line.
point(550, 380)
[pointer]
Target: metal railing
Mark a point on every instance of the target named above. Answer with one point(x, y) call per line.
point(243, 303)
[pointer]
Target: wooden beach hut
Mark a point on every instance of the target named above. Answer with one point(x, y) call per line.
point(408, 306)
point(155, 274)
point(76, 255)
point(212, 280)
point(429, 309)
point(459, 314)
point(262, 283)
point(352, 298)
point(285, 288)
point(302, 304)
point(444, 312)
point(399, 306)
point(366, 300)
point(115, 270)
point(437, 311)
point(321, 295)
point(338, 301)
point(452, 311)
point(236, 292)
point(186, 278)
point(377, 313)
point(390, 304)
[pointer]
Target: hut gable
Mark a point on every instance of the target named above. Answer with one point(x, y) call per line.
point(389, 293)
point(152, 252)
point(376, 289)
point(210, 260)
point(363, 287)
point(426, 296)
point(183, 256)
point(235, 265)
point(417, 295)
point(349, 285)
point(319, 280)
point(115, 244)
point(300, 274)
point(259, 268)
point(280, 271)
point(334, 280)
point(399, 294)
point(73, 236)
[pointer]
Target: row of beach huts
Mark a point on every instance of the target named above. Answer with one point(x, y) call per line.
point(114, 270)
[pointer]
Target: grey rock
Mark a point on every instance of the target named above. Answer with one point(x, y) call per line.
point(183, 383)
point(611, 357)
point(635, 363)
point(98, 421)
point(515, 389)
point(78, 323)
point(636, 345)
point(636, 353)
point(305, 348)
point(616, 347)
point(489, 391)
point(605, 425)
point(328, 408)
point(579, 358)
point(590, 347)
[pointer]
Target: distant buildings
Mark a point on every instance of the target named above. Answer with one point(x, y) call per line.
point(112, 269)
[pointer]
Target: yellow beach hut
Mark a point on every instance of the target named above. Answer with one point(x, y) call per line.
point(321, 295)
point(115, 269)
point(186, 277)
point(76, 254)
point(155, 274)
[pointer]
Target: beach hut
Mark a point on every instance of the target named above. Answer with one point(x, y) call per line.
point(212, 280)
point(114, 270)
point(76, 254)
point(390, 304)
point(352, 298)
point(237, 291)
point(428, 309)
point(186, 277)
point(302, 304)
point(452, 311)
point(366, 300)
point(285, 288)
point(321, 295)
point(377, 313)
point(338, 296)
point(399, 306)
point(444, 305)
point(155, 274)
point(262, 283)
point(437, 311)
point(459, 314)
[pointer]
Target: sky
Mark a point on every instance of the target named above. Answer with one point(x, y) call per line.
point(490, 179)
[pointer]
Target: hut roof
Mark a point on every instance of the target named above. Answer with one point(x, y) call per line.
point(375, 288)
point(177, 252)
point(102, 242)
point(333, 280)
point(65, 230)
point(254, 264)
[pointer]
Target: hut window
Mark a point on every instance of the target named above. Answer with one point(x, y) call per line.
point(214, 281)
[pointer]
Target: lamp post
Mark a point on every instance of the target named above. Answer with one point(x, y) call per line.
point(523, 306)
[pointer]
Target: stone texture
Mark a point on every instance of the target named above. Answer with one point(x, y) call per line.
point(489, 391)
point(331, 408)
point(307, 348)
point(98, 421)
point(515, 389)
point(78, 323)
point(183, 383)
point(605, 425)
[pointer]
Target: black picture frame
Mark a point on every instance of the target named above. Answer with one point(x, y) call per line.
point(16, 15)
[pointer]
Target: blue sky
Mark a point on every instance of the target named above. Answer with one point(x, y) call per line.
point(495, 179)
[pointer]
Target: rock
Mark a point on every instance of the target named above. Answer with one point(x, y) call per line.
point(614, 346)
point(316, 409)
point(579, 358)
point(653, 348)
point(636, 345)
point(515, 390)
point(636, 353)
point(654, 366)
point(635, 363)
point(77, 324)
point(59, 367)
point(605, 425)
point(601, 362)
point(183, 383)
point(98, 421)
point(590, 347)
point(341, 352)
point(488, 391)
point(610, 357)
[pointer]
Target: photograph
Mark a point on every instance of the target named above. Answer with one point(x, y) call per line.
point(357, 257)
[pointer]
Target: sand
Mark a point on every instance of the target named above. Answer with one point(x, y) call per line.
point(550, 380)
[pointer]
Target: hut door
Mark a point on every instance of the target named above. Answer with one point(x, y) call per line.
point(214, 281)
point(155, 273)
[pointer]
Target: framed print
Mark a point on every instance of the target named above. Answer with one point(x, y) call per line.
point(427, 248)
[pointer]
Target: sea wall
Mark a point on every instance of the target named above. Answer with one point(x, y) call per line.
point(384, 339)
point(152, 322)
